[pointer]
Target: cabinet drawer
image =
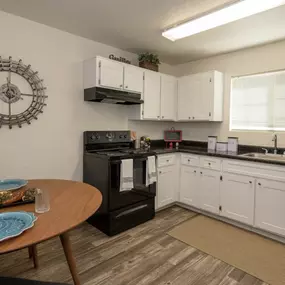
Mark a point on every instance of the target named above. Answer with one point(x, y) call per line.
point(189, 159)
point(165, 160)
point(210, 163)
point(254, 169)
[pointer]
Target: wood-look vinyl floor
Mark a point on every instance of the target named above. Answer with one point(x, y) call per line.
point(145, 255)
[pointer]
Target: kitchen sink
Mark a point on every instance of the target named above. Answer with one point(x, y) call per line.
point(268, 156)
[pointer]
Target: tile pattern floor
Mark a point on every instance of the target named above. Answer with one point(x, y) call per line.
point(145, 255)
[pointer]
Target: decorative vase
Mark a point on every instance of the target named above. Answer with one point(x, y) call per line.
point(148, 65)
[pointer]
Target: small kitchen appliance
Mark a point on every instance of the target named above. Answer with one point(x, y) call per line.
point(105, 153)
point(212, 143)
point(172, 136)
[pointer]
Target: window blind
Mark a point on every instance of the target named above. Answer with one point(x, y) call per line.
point(258, 102)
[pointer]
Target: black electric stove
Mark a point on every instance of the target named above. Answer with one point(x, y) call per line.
point(104, 152)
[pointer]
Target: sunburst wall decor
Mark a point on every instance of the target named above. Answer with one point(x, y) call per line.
point(22, 94)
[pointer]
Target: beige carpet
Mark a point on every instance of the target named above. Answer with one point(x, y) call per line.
point(258, 256)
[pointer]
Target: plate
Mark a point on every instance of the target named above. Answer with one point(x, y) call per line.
point(12, 184)
point(13, 224)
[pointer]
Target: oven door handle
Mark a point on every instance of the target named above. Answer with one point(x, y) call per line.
point(130, 211)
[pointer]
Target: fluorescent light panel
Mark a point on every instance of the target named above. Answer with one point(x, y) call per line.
point(221, 17)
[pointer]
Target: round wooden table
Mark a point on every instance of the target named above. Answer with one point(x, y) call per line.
point(71, 203)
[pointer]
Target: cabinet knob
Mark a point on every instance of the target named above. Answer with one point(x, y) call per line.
point(209, 163)
point(167, 160)
point(189, 118)
point(195, 171)
point(259, 184)
point(127, 87)
point(159, 172)
point(201, 172)
point(162, 117)
point(158, 117)
point(250, 182)
point(193, 117)
point(121, 85)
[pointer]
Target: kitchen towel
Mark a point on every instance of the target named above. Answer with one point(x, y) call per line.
point(151, 170)
point(127, 175)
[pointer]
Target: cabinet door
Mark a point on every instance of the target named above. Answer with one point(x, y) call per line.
point(133, 79)
point(168, 97)
point(166, 185)
point(189, 186)
point(203, 96)
point(111, 74)
point(183, 100)
point(270, 206)
point(151, 95)
point(237, 198)
point(210, 190)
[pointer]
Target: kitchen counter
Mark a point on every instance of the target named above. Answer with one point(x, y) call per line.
point(204, 151)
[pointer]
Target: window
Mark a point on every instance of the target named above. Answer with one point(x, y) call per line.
point(258, 102)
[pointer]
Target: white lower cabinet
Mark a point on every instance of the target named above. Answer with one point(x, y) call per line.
point(237, 198)
point(167, 179)
point(270, 206)
point(189, 185)
point(209, 187)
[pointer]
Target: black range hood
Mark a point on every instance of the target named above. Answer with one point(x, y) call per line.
point(104, 95)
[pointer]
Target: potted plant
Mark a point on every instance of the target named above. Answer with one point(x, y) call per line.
point(149, 61)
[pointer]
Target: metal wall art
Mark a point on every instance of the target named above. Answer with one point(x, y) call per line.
point(12, 96)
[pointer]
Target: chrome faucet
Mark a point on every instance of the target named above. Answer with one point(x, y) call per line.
point(275, 139)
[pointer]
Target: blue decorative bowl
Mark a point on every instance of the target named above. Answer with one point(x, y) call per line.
point(13, 224)
point(12, 184)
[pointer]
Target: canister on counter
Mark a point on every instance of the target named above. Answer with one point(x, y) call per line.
point(212, 142)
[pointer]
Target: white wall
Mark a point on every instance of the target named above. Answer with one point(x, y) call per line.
point(51, 147)
point(261, 59)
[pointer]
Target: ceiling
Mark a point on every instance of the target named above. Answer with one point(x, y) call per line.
point(136, 25)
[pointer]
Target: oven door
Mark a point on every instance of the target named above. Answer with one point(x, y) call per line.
point(140, 192)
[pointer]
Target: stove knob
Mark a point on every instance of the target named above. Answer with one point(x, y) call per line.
point(121, 136)
point(125, 136)
point(93, 137)
point(97, 137)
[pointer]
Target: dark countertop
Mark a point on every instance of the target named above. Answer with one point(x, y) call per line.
point(204, 151)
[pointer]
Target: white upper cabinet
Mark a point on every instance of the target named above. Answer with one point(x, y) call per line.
point(151, 95)
point(133, 78)
point(270, 206)
point(168, 97)
point(107, 73)
point(237, 198)
point(200, 97)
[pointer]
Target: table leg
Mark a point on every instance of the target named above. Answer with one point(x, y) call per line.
point(69, 257)
point(30, 252)
point(33, 253)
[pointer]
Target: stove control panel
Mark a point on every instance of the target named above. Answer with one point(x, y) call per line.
point(105, 137)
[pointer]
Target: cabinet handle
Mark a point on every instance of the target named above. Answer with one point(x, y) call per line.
point(259, 184)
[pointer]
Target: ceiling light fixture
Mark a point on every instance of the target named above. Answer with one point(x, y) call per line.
point(237, 11)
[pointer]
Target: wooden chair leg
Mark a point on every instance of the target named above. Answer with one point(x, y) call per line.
point(33, 253)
